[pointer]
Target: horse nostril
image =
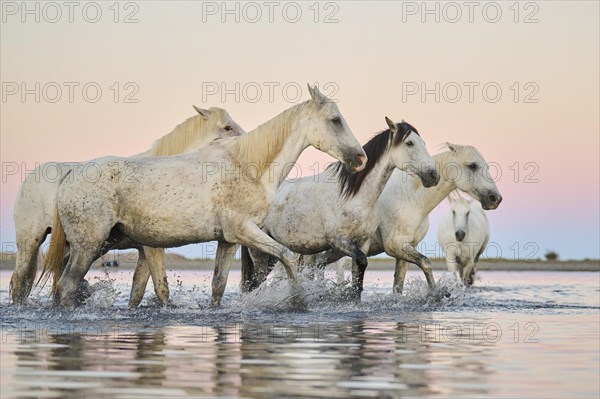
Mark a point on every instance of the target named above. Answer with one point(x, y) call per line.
point(362, 161)
point(434, 175)
point(460, 235)
point(493, 199)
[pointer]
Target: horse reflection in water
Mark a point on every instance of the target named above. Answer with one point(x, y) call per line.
point(254, 360)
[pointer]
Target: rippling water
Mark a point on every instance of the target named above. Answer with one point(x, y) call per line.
point(517, 334)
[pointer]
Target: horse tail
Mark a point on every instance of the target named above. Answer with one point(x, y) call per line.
point(56, 253)
point(247, 270)
point(53, 264)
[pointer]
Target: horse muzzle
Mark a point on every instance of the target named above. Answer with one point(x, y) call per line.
point(357, 163)
point(430, 178)
point(490, 201)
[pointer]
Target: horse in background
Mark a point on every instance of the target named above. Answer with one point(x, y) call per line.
point(463, 233)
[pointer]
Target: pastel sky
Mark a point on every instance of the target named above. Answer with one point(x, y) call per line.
point(543, 56)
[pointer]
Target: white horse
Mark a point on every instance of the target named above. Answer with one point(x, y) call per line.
point(220, 192)
point(36, 199)
point(406, 205)
point(336, 209)
point(464, 233)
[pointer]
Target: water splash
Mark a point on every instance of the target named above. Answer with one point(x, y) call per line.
point(103, 293)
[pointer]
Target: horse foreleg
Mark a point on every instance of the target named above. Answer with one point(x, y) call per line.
point(399, 275)
point(345, 246)
point(359, 265)
point(263, 265)
point(471, 280)
point(408, 253)
point(70, 280)
point(466, 273)
point(252, 236)
point(23, 277)
point(225, 254)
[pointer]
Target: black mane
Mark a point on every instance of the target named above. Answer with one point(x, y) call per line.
point(350, 183)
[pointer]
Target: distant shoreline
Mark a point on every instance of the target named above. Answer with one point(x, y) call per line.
point(178, 262)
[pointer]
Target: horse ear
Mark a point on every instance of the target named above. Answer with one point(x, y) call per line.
point(451, 147)
point(391, 125)
point(203, 112)
point(316, 95)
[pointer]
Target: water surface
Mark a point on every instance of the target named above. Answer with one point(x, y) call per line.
point(516, 334)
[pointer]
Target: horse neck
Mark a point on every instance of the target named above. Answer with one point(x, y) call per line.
point(375, 181)
point(273, 146)
point(429, 198)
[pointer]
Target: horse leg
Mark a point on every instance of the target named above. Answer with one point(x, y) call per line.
point(359, 262)
point(408, 253)
point(23, 277)
point(453, 265)
point(140, 280)
point(225, 255)
point(252, 236)
point(471, 279)
point(399, 276)
point(248, 280)
point(467, 272)
point(359, 265)
point(68, 284)
point(155, 259)
point(339, 271)
point(262, 266)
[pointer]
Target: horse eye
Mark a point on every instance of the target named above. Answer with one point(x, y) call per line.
point(453, 212)
point(472, 166)
point(410, 143)
point(468, 214)
point(336, 119)
point(228, 128)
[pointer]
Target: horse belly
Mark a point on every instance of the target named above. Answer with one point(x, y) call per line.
point(157, 233)
point(158, 222)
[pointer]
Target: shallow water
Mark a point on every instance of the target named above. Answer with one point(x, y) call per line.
point(516, 334)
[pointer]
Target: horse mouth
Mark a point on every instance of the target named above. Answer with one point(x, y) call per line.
point(359, 164)
point(430, 178)
point(490, 201)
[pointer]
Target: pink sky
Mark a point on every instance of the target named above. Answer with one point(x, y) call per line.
point(373, 54)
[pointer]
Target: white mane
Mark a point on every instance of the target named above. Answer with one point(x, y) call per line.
point(187, 133)
point(261, 146)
